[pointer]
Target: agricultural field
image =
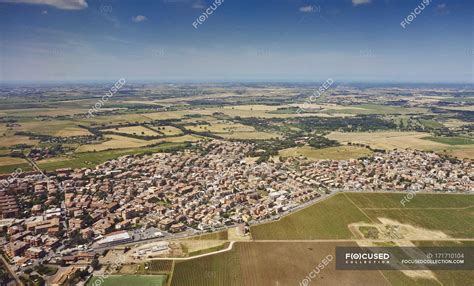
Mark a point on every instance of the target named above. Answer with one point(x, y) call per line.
point(450, 214)
point(218, 127)
point(5, 161)
point(388, 139)
point(425, 217)
point(220, 235)
point(122, 142)
point(152, 267)
point(90, 159)
point(167, 130)
point(134, 130)
point(268, 264)
point(256, 135)
point(333, 153)
point(198, 247)
point(12, 140)
point(52, 127)
point(231, 130)
point(126, 280)
point(461, 147)
point(451, 140)
point(9, 165)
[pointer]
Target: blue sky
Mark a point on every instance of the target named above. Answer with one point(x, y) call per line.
point(288, 40)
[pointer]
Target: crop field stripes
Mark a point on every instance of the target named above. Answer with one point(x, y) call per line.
point(359, 208)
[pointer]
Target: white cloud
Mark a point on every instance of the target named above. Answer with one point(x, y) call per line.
point(360, 2)
point(59, 4)
point(44, 12)
point(139, 18)
point(306, 9)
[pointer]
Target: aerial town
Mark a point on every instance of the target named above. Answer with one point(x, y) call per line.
point(205, 188)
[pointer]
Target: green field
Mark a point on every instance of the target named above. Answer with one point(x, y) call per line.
point(128, 280)
point(11, 168)
point(451, 214)
point(323, 220)
point(392, 200)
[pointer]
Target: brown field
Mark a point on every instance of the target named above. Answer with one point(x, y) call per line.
point(46, 127)
point(167, 130)
point(122, 142)
point(388, 139)
point(11, 140)
point(113, 119)
point(227, 111)
point(251, 135)
point(270, 263)
point(72, 131)
point(43, 112)
point(402, 140)
point(461, 153)
point(6, 161)
point(221, 127)
point(255, 107)
point(137, 130)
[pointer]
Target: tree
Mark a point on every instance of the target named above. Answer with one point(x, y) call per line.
point(95, 263)
point(3, 275)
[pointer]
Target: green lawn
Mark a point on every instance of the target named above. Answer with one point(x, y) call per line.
point(128, 280)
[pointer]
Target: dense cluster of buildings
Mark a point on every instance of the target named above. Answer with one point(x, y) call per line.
point(207, 187)
point(397, 170)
